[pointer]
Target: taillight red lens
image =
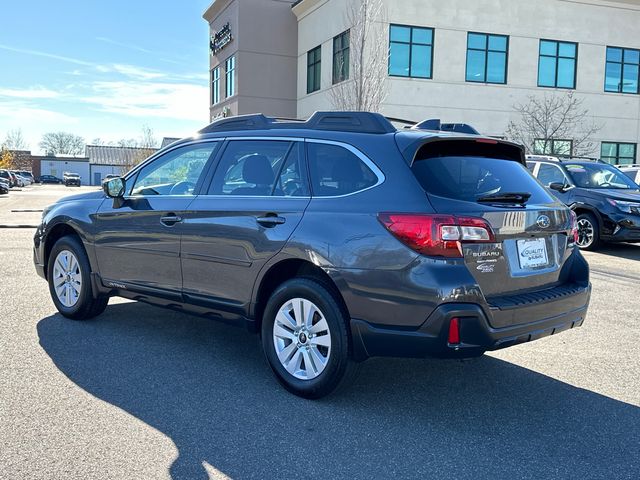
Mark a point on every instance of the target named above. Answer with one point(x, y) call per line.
point(574, 226)
point(437, 235)
point(454, 331)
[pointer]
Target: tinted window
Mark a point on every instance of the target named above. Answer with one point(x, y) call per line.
point(548, 174)
point(557, 64)
point(261, 168)
point(599, 175)
point(174, 173)
point(313, 69)
point(468, 178)
point(487, 58)
point(341, 57)
point(337, 171)
point(632, 174)
point(618, 153)
point(622, 70)
point(410, 51)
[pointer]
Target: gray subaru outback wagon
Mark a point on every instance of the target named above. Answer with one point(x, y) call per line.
point(337, 239)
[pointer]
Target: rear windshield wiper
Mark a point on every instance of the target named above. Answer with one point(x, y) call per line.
point(506, 197)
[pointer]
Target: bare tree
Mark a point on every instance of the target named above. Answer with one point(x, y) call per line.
point(553, 117)
point(62, 143)
point(365, 89)
point(147, 139)
point(15, 140)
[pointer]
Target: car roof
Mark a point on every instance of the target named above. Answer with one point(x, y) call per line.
point(334, 125)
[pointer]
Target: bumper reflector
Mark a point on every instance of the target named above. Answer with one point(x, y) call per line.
point(454, 331)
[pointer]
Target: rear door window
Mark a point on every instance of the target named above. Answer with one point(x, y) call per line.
point(336, 171)
point(261, 168)
point(469, 178)
point(548, 174)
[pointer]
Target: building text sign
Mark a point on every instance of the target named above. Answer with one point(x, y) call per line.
point(220, 39)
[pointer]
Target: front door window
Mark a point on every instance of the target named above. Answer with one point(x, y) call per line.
point(174, 173)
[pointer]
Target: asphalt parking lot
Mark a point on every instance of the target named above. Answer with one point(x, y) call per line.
point(141, 392)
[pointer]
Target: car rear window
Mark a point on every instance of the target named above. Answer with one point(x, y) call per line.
point(469, 178)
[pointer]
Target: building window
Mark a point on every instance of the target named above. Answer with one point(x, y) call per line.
point(341, 57)
point(410, 51)
point(552, 146)
point(230, 76)
point(557, 64)
point(622, 70)
point(487, 58)
point(215, 85)
point(618, 153)
point(313, 69)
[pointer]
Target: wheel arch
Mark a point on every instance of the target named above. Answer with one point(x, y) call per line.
point(287, 269)
point(56, 233)
point(580, 208)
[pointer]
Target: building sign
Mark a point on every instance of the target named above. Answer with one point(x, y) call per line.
point(220, 39)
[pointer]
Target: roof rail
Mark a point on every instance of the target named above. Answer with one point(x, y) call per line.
point(562, 158)
point(436, 124)
point(359, 122)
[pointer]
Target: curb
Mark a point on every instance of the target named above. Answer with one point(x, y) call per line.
point(17, 225)
point(26, 210)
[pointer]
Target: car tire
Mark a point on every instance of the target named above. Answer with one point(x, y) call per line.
point(318, 345)
point(69, 276)
point(588, 232)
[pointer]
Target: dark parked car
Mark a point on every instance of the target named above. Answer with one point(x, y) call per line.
point(606, 202)
point(6, 174)
point(4, 186)
point(632, 171)
point(70, 179)
point(50, 179)
point(338, 238)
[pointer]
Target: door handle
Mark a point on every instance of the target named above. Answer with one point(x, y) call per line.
point(170, 220)
point(270, 220)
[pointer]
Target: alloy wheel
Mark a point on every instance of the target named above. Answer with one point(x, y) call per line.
point(586, 233)
point(302, 338)
point(67, 278)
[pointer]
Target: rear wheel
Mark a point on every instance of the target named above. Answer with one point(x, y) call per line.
point(588, 232)
point(305, 338)
point(69, 275)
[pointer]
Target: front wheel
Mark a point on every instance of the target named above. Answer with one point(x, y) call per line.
point(305, 338)
point(588, 232)
point(69, 275)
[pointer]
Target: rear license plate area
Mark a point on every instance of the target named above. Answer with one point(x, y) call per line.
point(532, 253)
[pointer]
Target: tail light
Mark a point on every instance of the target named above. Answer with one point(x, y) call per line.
point(574, 226)
point(454, 331)
point(437, 235)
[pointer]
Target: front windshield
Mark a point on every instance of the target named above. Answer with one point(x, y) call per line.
point(599, 175)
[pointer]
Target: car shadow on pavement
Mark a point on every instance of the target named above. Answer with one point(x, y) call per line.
point(207, 387)
point(630, 251)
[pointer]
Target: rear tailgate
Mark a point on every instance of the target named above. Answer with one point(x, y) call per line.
point(532, 244)
point(533, 238)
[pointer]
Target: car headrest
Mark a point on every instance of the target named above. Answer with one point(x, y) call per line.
point(257, 170)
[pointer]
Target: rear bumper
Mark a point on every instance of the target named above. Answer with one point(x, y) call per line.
point(476, 333)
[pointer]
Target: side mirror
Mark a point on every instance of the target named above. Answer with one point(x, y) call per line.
point(114, 187)
point(558, 187)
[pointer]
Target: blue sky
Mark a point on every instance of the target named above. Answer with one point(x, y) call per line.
point(103, 68)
